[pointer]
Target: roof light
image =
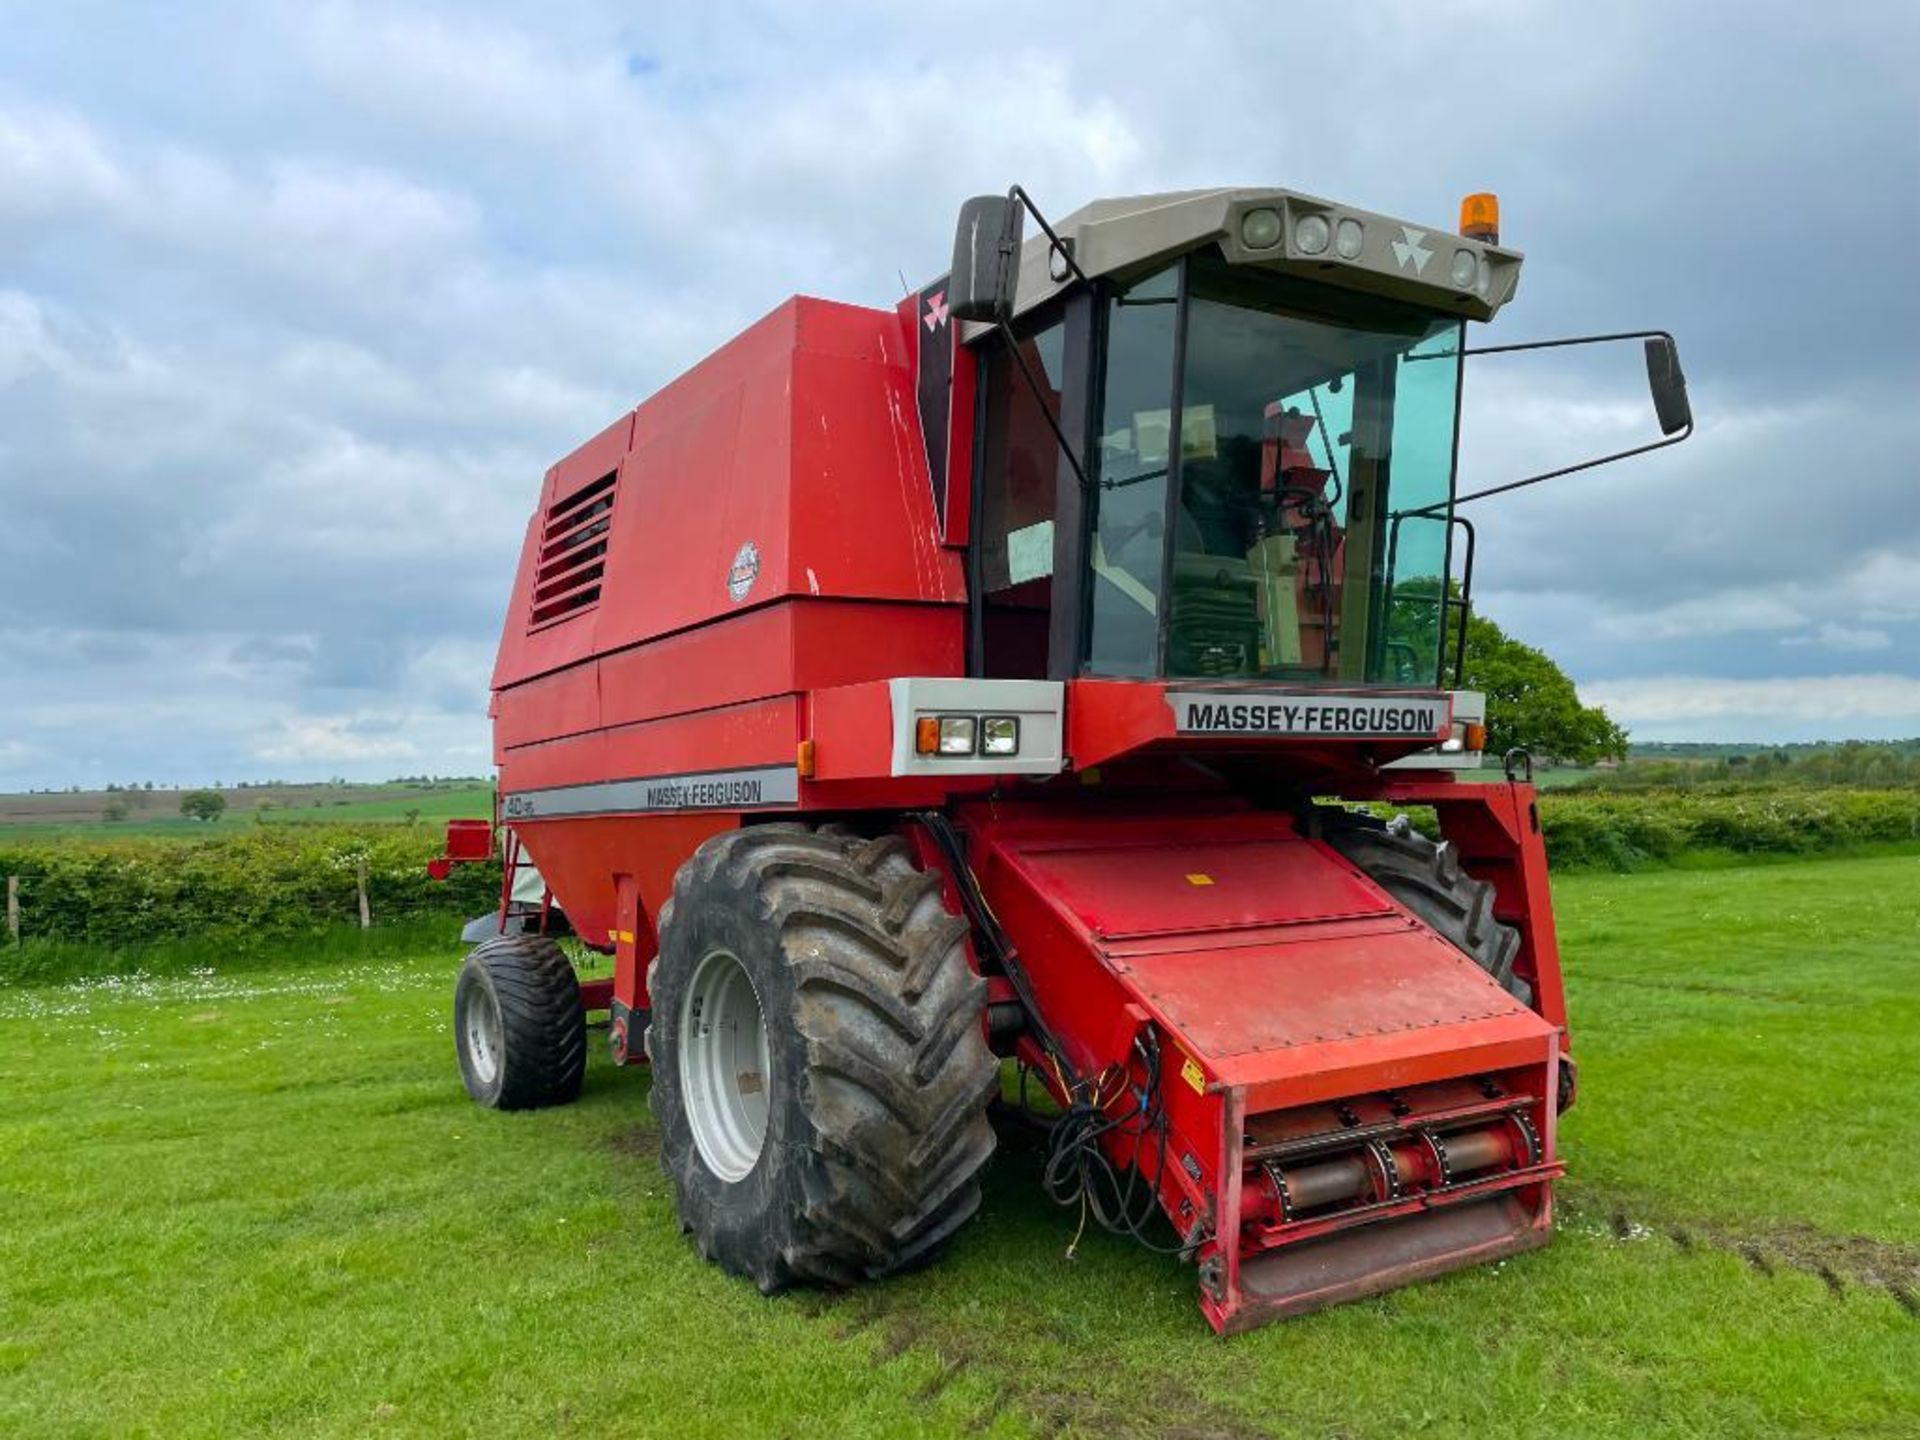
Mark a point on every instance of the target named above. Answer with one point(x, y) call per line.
point(1348, 236)
point(1480, 217)
point(1311, 233)
point(1260, 229)
point(1466, 269)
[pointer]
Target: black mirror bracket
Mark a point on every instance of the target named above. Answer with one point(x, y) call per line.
point(1060, 252)
point(983, 287)
point(1664, 379)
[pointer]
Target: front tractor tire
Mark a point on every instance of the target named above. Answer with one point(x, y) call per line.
point(820, 1067)
point(519, 1029)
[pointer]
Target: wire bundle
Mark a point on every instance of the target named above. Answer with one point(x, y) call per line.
point(1078, 1170)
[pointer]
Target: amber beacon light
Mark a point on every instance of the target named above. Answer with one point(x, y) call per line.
point(1480, 217)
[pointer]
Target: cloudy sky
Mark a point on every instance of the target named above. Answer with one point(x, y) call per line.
point(297, 302)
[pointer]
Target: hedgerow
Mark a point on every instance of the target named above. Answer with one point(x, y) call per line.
point(1626, 830)
point(276, 883)
point(272, 882)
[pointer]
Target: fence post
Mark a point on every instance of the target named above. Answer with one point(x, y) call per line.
point(13, 908)
point(360, 884)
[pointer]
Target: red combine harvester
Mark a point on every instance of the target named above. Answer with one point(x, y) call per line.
point(900, 693)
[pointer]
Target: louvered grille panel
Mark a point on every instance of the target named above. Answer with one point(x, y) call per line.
point(573, 554)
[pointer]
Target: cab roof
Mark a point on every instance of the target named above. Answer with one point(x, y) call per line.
point(1129, 236)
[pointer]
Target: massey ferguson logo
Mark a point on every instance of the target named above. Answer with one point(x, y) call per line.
point(1411, 250)
point(936, 315)
point(1348, 717)
point(743, 572)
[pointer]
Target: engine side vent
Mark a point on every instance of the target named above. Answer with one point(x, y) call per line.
point(573, 553)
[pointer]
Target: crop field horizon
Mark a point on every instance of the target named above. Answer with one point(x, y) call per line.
point(259, 1202)
point(155, 814)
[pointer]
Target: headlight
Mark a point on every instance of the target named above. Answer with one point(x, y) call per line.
point(1311, 234)
point(1348, 237)
point(956, 734)
point(1466, 269)
point(1000, 735)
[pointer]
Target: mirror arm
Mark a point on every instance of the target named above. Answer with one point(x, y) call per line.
point(1661, 444)
point(1007, 257)
point(1570, 469)
point(1575, 340)
point(1060, 247)
point(1039, 398)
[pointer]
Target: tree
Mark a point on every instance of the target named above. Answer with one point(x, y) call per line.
point(1532, 704)
point(203, 804)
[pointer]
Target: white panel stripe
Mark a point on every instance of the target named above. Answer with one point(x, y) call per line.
point(702, 790)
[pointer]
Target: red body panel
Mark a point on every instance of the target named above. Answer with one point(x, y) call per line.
point(797, 437)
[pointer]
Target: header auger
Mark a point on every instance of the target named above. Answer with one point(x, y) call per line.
point(900, 694)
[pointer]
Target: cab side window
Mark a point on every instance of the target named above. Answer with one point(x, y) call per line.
point(1017, 479)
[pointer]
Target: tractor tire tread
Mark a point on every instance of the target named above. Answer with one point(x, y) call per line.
point(1425, 876)
point(543, 1025)
point(887, 1127)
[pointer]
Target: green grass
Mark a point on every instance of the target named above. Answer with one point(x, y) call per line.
point(260, 1204)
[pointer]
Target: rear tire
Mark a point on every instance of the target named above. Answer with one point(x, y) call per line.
point(1426, 878)
point(820, 1067)
point(518, 1027)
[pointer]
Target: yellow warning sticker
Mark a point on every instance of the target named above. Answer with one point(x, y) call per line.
point(1191, 1073)
point(1199, 879)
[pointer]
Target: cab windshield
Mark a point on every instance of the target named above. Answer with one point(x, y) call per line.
point(1280, 510)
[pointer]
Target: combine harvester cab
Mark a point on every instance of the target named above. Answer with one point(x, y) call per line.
point(902, 693)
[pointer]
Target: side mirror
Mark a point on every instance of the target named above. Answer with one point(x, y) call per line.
point(986, 258)
point(1664, 379)
point(1668, 384)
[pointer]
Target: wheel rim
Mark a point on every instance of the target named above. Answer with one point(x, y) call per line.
point(725, 1071)
point(483, 1035)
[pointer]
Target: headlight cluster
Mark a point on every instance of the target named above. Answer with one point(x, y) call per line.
point(1313, 233)
point(955, 735)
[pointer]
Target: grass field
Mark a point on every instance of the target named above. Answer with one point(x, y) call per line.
point(157, 813)
point(260, 1204)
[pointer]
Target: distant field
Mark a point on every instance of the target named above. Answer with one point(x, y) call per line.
point(261, 1204)
point(157, 812)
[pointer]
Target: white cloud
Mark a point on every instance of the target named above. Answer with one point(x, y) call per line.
point(1886, 585)
point(1728, 613)
point(365, 738)
point(51, 161)
point(1842, 638)
point(1703, 706)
